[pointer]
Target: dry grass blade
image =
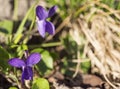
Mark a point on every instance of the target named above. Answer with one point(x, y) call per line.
point(115, 12)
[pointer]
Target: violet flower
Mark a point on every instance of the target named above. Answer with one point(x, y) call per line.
point(42, 23)
point(26, 65)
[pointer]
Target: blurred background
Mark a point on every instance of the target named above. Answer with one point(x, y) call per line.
point(84, 52)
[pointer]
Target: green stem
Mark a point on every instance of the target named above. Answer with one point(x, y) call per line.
point(32, 24)
point(46, 45)
point(16, 78)
point(51, 44)
point(15, 11)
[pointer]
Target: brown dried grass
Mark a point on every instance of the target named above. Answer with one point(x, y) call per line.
point(102, 44)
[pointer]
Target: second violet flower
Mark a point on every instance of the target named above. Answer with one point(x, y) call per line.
point(26, 65)
point(42, 23)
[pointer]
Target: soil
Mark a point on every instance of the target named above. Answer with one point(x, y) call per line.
point(58, 81)
point(81, 81)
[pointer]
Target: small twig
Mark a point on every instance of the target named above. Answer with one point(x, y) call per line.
point(78, 60)
point(109, 82)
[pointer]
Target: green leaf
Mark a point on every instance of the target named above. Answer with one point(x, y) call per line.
point(46, 57)
point(6, 26)
point(32, 14)
point(20, 29)
point(4, 56)
point(70, 45)
point(85, 66)
point(40, 83)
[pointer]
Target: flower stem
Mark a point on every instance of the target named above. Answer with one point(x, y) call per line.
point(46, 45)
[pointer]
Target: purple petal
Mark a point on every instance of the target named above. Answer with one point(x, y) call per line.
point(52, 11)
point(41, 27)
point(16, 62)
point(50, 28)
point(41, 13)
point(27, 74)
point(34, 58)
